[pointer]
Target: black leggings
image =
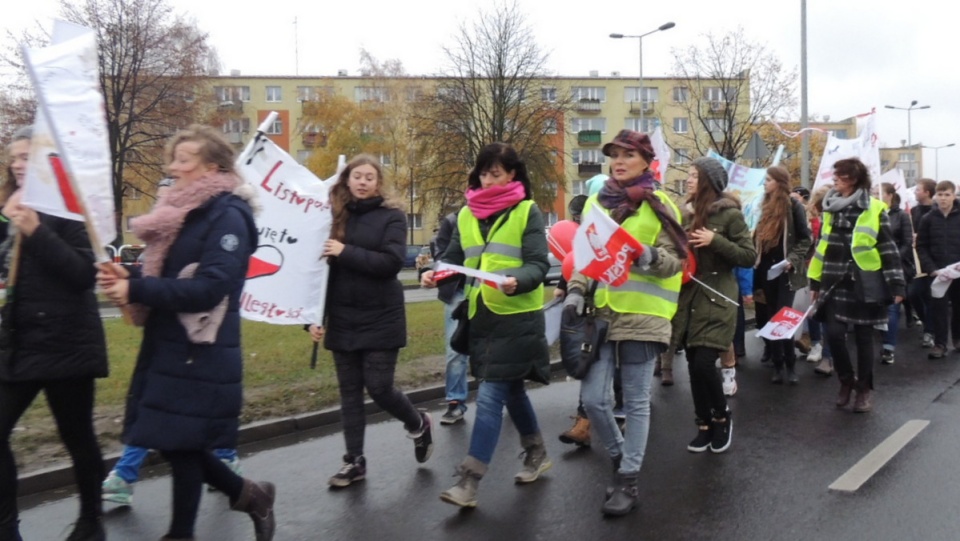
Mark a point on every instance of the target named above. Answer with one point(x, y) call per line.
point(190, 470)
point(372, 369)
point(867, 340)
point(705, 384)
point(71, 402)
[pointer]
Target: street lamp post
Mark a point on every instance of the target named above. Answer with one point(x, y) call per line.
point(662, 27)
point(936, 158)
point(913, 106)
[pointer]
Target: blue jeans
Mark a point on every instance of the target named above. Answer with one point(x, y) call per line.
point(893, 323)
point(457, 363)
point(636, 360)
point(128, 467)
point(491, 397)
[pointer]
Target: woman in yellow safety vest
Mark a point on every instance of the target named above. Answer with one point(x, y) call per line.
point(501, 231)
point(856, 268)
point(638, 311)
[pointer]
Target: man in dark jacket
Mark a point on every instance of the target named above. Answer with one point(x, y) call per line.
point(451, 293)
point(919, 288)
point(938, 245)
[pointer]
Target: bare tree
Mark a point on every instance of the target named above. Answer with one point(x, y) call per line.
point(733, 85)
point(152, 62)
point(491, 92)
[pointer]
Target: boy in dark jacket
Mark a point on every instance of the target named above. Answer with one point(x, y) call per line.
point(938, 246)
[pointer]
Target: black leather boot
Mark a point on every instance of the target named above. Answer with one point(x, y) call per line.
point(624, 497)
point(256, 500)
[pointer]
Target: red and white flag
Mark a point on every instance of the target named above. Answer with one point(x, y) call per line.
point(784, 324)
point(662, 150)
point(603, 250)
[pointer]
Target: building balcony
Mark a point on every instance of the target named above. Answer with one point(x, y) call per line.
point(588, 137)
point(314, 139)
point(235, 106)
point(588, 105)
point(636, 107)
point(716, 107)
point(588, 169)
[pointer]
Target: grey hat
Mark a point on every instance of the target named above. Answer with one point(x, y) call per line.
point(715, 172)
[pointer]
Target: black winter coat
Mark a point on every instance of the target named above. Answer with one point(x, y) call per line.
point(186, 396)
point(902, 231)
point(938, 239)
point(365, 306)
point(55, 321)
point(447, 290)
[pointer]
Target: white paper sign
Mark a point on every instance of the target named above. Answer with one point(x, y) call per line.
point(287, 279)
point(777, 270)
point(552, 312)
point(495, 280)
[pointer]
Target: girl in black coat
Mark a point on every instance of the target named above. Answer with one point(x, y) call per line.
point(365, 317)
point(51, 340)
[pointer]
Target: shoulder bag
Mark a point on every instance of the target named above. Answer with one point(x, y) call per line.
point(581, 336)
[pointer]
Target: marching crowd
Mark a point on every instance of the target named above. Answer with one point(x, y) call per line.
point(850, 253)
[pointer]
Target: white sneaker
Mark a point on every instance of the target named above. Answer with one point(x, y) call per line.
point(816, 353)
point(729, 381)
point(927, 340)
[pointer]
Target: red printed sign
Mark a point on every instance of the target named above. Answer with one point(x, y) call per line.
point(603, 250)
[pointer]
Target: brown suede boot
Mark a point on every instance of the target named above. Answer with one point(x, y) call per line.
point(579, 433)
point(862, 403)
point(256, 500)
point(846, 388)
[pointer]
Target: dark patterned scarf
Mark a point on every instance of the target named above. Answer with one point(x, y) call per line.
point(623, 201)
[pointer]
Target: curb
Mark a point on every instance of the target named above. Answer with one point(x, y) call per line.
point(61, 476)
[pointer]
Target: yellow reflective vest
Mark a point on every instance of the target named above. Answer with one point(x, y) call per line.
point(499, 253)
point(642, 293)
point(864, 244)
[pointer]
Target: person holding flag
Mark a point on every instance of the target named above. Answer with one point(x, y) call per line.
point(501, 231)
point(638, 311)
point(707, 317)
point(187, 388)
point(856, 270)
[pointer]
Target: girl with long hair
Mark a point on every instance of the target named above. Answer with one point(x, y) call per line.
point(782, 238)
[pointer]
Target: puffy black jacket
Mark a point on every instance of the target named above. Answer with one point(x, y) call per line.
point(365, 306)
point(938, 239)
point(902, 231)
point(54, 322)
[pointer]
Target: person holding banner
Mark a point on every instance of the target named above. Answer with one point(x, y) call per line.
point(782, 239)
point(501, 231)
point(366, 323)
point(51, 340)
point(189, 372)
point(855, 273)
point(638, 311)
point(706, 320)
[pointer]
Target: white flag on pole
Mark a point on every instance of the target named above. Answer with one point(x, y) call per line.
point(662, 150)
point(287, 279)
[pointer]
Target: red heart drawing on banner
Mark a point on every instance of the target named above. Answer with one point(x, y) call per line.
point(279, 312)
point(266, 261)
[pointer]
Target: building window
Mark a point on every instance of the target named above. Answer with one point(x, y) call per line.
point(370, 93)
point(906, 157)
point(415, 220)
point(579, 187)
point(132, 193)
point(303, 156)
point(237, 125)
point(720, 95)
point(839, 134)
point(578, 125)
point(649, 125)
point(127, 223)
point(276, 128)
point(548, 93)
point(681, 125)
point(550, 126)
point(718, 127)
point(385, 160)
point(650, 95)
point(587, 155)
point(598, 93)
point(681, 156)
point(313, 93)
point(550, 218)
point(414, 93)
point(274, 94)
point(681, 94)
point(232, 93)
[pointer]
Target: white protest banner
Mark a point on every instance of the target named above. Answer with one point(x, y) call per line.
point(865, 147)
point(603, 250)
point(662, 151)
point(488, 278)
point(747, 184)
point(70, 173)
point(908, 197)
point(941, 282)
point(287, 279)
point(784, 324)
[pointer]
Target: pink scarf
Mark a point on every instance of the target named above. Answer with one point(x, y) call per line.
point(484, 203)
point(160, 228)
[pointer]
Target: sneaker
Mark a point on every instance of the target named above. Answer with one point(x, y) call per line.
point(722, 434)
point(352, 470)
point(887, 357)
point(816, 353)
point(454, 413)
point(729, 381)
point(423, 439)
point(938, 352)
point(927, 340)
point(116, 490)
point(825, 368)
point(702, 441)
point(234, 465)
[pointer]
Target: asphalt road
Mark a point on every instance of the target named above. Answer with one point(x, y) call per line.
point(789, 445)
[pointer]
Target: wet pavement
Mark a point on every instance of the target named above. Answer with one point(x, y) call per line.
point(789, 445)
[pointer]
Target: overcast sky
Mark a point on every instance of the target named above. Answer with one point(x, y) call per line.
point(861, 53)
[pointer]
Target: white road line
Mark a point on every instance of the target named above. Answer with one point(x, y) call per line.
point(862, 471)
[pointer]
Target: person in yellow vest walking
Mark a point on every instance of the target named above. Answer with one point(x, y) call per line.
point(501, 231)
point(638, 311)
point(856, 267)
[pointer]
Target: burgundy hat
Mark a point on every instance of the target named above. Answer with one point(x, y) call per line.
point(632, 140)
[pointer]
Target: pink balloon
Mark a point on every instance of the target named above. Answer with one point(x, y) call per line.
point(566, 269)
point(560, 238)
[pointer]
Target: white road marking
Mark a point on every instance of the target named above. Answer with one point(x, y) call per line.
point(862, 471)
